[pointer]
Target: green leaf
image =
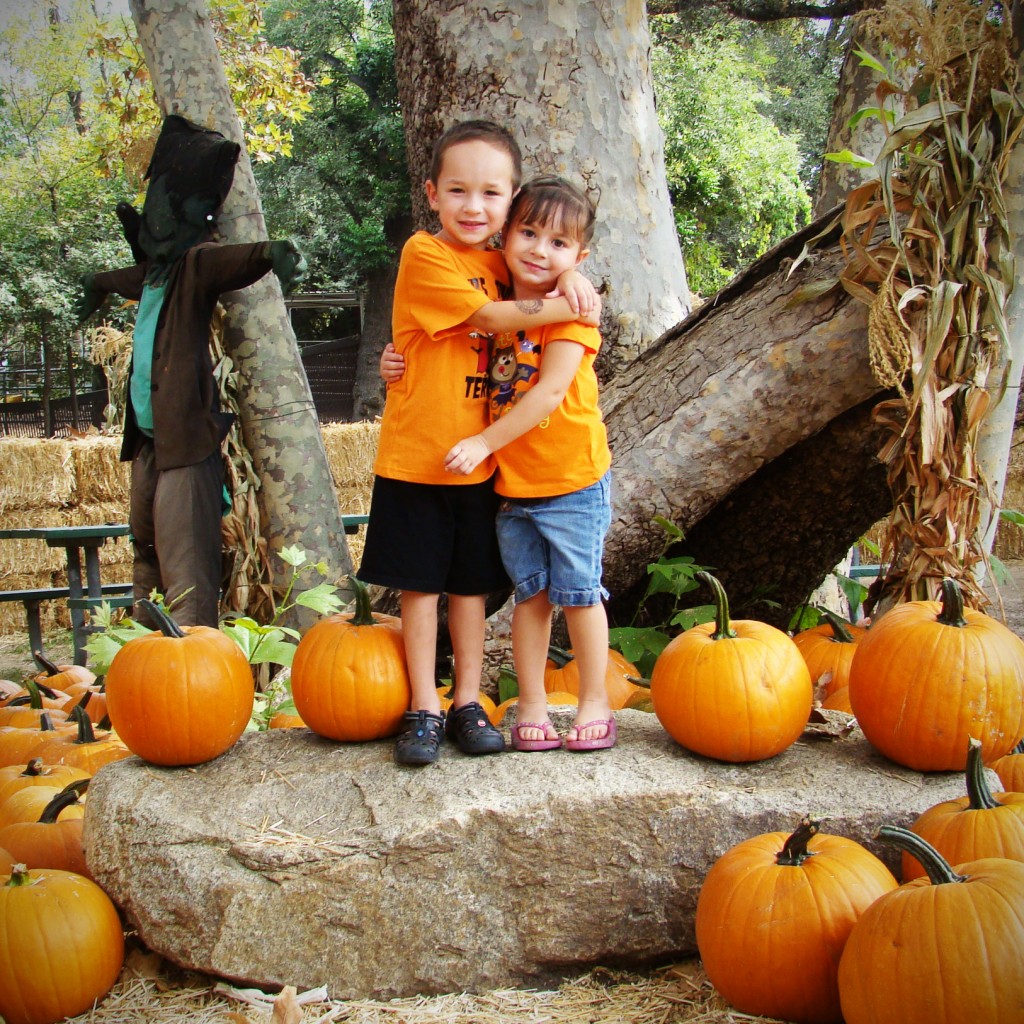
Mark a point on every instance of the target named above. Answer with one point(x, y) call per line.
point(847, 156)
point(293, 556)
point(273, 650)
point(867, 60)
point(687, 618)
point(1011, 515)
point(672, 531)
point(322, 598)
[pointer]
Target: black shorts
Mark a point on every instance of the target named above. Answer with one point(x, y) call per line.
point(433, 538)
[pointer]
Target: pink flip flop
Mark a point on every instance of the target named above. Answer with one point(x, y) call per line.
point(600, 743)
point(518, 743)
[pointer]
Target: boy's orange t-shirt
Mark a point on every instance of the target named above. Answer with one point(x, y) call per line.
point(442, 395)
point(567, 450)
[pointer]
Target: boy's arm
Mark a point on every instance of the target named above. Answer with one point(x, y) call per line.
point(522, 314)
point(557, 369)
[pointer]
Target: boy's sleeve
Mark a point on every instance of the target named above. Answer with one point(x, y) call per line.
point(438, 294)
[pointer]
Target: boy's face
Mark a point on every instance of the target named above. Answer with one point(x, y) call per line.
point(472, 193)
point(538, 254)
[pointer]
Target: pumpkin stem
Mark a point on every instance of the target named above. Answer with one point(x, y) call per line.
point(19, 876)
point(35, 697)
point(86, 733)
point(723, 631)
point(65, 798)
point(979, 794)
point(794, 851)
point(1019, 749)
point(952, 612)
point(33, 768)
point(559, 655)
point(935, 865)
point(840, 633)
point(363, 615)
point(48, 666)
point(46, 722)
point(162, 618)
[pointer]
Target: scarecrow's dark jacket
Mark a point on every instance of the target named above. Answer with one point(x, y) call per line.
point(188, 425)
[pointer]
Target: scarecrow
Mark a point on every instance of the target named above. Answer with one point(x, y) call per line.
point(174, 427)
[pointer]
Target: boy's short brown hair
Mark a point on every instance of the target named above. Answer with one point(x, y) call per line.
point(482, 131)
point(549, 198)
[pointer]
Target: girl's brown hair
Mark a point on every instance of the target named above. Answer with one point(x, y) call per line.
point(550, 199)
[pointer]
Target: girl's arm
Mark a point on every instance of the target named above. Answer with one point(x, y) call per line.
point(557, 369)
point(522, 314)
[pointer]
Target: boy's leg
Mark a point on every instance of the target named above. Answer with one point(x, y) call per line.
point(531, 635)
point(466, 624)
point(588, 632)
point(467, 722)
point(419, 635)
point(420, 741)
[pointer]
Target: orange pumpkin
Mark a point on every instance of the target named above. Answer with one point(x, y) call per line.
point(444, 694)
point(771, 903)
point(62, 677)
point(29, 804)
point(62, 946)
point(18, 746)
point(54, 839)
point(929, 675)
point(1010, 769)
point(349, 680)
point(27, 712)
point(948, 947)
point(828, 650)
point(16, 777)
point(6, 862)
point(181, 695)
point(562, 675)
point(82, 745)
point(981, 824)
point(736, 691)
point(285, 720)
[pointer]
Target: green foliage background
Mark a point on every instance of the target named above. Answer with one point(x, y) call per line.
point(744, 109)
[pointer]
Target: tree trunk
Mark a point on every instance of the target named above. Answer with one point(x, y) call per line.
point(768, 364)
point(856, 89)
point(368, 389)
point(298, 505)
point(572, 81)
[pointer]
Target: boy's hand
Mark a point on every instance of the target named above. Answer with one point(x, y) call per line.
point(88, 300)
point(466, 455)
point(392, 364)
point(288, 263)
point(579, 292)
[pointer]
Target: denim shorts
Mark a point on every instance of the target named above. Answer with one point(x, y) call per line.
point(556, 544)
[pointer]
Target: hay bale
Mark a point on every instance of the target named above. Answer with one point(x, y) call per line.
point(101, 475)
point(351, 449)
point(12, 613)
point(35, 474)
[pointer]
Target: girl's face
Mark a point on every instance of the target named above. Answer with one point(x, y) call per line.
point(472, 193)
point(538, 254)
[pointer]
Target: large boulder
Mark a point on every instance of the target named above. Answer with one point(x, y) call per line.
point(295, 860)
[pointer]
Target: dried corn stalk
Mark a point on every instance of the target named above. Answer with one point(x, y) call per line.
point(936, 286)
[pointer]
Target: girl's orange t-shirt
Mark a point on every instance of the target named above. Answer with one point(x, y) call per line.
point(442, 395)
point(568, 450)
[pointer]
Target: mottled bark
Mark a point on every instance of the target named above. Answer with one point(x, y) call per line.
point(775, 538)
point(572, 81)
point(768, 363)
point(279, 424)
point(856, 89)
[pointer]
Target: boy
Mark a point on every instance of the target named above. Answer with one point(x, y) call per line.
point(428, 534)
point(553, 461)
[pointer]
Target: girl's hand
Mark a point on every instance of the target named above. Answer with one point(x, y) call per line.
point(580, 293)
point(466, 455)
point(392, 364)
